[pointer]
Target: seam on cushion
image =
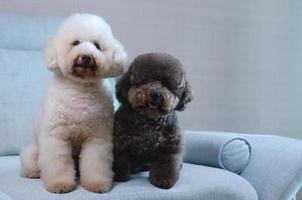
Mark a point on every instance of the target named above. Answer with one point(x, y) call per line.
point(249, 158)
point(288, 186)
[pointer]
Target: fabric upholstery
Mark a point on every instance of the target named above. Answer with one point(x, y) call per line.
point(275, 168)
point(26, 32)
point(225, 151)
point(196, 182)
point(23, 81)
point(4, 196)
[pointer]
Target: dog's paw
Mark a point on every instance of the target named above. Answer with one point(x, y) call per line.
point(30, 174)
point(60, 186)
point(162, 183)
point(97, 186)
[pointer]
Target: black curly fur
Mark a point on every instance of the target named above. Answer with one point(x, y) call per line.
point(149, 138)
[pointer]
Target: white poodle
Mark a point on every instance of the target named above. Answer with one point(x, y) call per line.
point(73, 128)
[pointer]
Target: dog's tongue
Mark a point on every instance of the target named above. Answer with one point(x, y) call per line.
point(153, 105)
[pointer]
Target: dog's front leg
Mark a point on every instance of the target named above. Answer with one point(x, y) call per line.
point(29, 162)
point(121, 166)
point(164, 171)
point(96, 165)
point(56, 164)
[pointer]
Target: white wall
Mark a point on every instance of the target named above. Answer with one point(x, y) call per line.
point(244, 58)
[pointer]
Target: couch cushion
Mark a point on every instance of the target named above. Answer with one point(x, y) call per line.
point(26, 32)
point(23, 82)
point(4, 196)
point(196, 182)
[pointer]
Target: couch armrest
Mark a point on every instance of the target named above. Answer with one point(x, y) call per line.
point(224, 151)
point(275, 167)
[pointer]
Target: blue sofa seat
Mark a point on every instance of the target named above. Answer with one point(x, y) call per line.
point(196, 182)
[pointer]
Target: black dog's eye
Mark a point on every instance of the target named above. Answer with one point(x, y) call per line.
point(97, 45)
point(75, 43)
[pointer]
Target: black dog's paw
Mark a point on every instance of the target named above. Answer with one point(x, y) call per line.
point(163, 183)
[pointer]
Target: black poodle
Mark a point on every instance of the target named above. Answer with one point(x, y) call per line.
point(146, 131)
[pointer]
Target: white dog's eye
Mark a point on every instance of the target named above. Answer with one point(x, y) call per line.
point(97, 45)
point(75, 43)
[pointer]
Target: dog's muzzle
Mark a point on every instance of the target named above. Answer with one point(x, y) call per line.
point(84, 65)
point(154, 100)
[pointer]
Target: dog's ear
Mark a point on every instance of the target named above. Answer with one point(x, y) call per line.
point(122, 87)
point(119, 58)
point(50, 55)
point(185, 98)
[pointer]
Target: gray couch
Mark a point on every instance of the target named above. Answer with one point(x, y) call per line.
point(218, 166)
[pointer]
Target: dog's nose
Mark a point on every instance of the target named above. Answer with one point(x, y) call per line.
point(86, 59)
point(153, 96)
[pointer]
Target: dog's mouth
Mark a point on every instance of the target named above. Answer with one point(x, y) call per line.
point(153, 104)
point(154, 99)
point(84, 66)
point(83, 72)
point(150, 102)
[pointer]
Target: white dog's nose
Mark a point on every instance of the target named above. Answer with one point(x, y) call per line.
point(86, 59)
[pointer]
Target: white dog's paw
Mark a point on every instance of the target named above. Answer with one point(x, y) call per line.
point(29, 166)
point(95, 185)
point(30, 174)
point(60, 185)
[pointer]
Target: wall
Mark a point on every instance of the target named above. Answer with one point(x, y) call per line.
point(243, 57)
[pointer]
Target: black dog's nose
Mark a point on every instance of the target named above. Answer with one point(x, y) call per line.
point(86, 59)
point(153, 96)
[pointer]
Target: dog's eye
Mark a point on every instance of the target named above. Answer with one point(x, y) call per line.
point(97, 45)
point(75, 43)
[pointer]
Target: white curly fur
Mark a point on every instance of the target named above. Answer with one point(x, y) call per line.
point(76, 117)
